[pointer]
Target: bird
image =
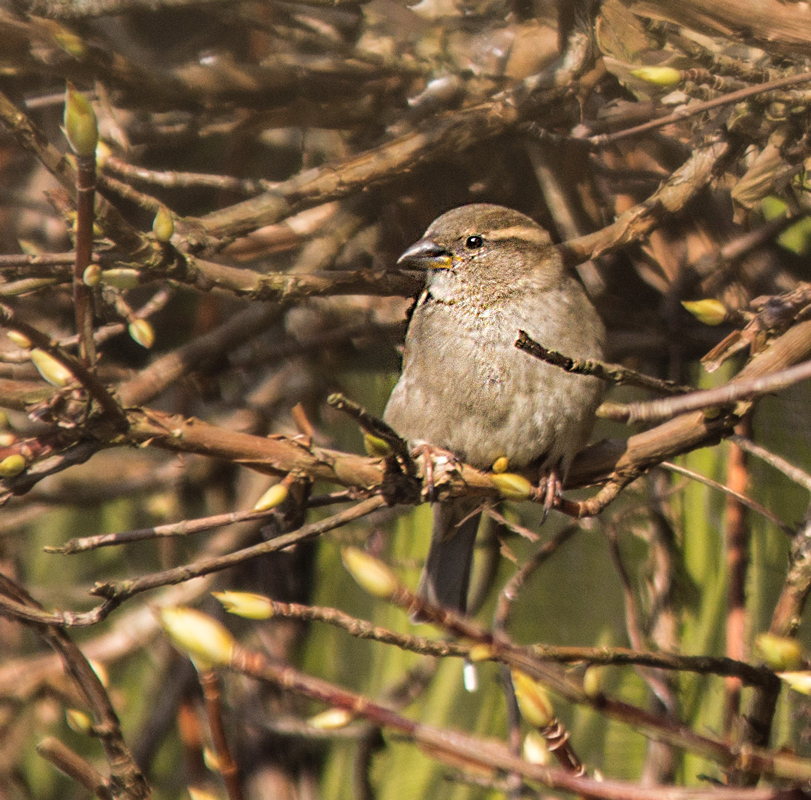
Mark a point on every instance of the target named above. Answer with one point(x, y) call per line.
point(467, 390)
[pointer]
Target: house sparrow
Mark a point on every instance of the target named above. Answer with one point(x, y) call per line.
point(466, 389)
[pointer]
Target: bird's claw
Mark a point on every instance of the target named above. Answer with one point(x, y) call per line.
point(432, 458)
point(552, 490)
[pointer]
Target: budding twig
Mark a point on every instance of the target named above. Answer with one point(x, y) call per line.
point(82, 132)
point(376, 427)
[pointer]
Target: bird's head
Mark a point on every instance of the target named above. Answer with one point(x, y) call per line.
point(484, 244)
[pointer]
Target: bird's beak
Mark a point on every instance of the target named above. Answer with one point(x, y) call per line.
point(426, 254)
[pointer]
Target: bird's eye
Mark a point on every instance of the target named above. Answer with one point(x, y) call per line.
point(474, 242)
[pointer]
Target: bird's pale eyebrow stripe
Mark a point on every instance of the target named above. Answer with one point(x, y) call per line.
point(524, 233)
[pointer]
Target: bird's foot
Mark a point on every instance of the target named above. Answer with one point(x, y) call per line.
point(433, 459)
point(552, 490)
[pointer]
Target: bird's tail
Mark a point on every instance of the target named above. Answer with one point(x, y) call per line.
point(446, 575)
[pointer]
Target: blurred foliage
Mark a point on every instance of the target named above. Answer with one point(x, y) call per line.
point(293, 150)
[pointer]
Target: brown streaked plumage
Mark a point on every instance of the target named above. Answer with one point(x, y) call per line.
point(465, 387)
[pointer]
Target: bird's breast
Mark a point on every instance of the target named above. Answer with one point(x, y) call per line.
point(467, 389)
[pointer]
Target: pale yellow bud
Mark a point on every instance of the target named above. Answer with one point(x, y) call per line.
point(210, 760)
point(246, 604)
point(512, 486)
point(535, 750)
point(92, 275)
point(56, 373)
point(375, 446)
point(273, 497)
point(162, 505)
point(501, 464)
point(121, 277)
point(799, 681)
point(709, 311)
point(103, 152)
point(81, 128)
point(370, 573)
point(205, 640)
point(593, 681)
point(66, 39)
point(780, 653)
point(660, 76)
point(142, 332)
point(78, 721)
point(480, 652)
point(29, 247)
point(12, 465)
point(331, 719)
point(533, 701)
point(163, 226)
point(19, 339)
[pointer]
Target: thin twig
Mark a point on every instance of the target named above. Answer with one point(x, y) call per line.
point(86, 377)
point(729, 492)
point(661, 410)
point(74, 766)
point(611, 373)
point(737, 537)
point(376, 427)
point(32, 139)
point(496, 755)
point(85, 217)
point(792, 472)
point(227, 767)
point(361, 629)
point(186, 527)
point(126, 776)
point(116, 593)
point(509, 594)
point(607, 139)
point(672, 196)
point(788, 612)
point(174, 179)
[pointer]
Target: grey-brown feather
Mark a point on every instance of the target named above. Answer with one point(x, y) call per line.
point(446, 575)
